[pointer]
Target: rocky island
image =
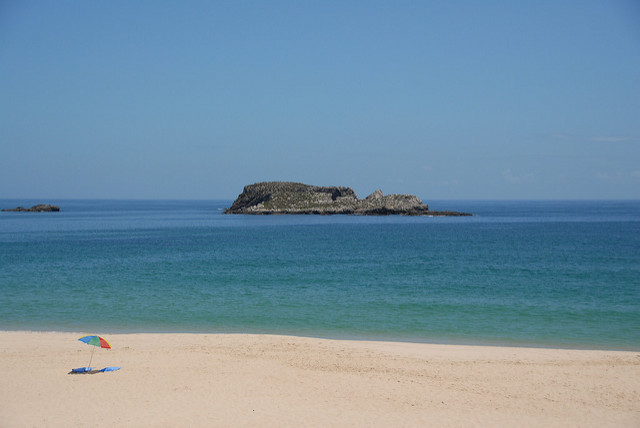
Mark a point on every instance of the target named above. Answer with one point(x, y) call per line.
point(41, 208)
point(297, 198)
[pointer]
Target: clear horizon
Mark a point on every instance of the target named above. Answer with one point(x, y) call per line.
point(460, 100)
point(52, 200)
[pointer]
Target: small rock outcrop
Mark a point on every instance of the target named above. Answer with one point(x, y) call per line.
point(298, 198)
point(41, 208)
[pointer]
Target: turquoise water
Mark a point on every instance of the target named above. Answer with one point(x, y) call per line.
point(523, 273)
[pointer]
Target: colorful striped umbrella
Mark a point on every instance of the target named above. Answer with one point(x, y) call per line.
point(98, 341)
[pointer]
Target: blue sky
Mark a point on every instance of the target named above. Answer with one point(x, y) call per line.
point(442, 99)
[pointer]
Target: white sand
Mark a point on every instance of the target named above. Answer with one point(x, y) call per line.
point(258, 380)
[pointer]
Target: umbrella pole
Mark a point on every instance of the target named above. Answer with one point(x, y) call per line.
point(93, 348)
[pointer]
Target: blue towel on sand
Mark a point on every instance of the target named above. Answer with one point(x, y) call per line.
point(110, 369)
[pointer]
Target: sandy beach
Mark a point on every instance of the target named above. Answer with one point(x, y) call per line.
point(261, 380)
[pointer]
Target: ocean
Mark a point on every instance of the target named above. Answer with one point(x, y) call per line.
point(522, 273)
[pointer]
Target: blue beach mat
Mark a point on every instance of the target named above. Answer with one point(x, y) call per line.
point(90, 370)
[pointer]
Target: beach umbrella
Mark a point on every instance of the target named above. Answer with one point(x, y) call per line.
point(97, 341)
